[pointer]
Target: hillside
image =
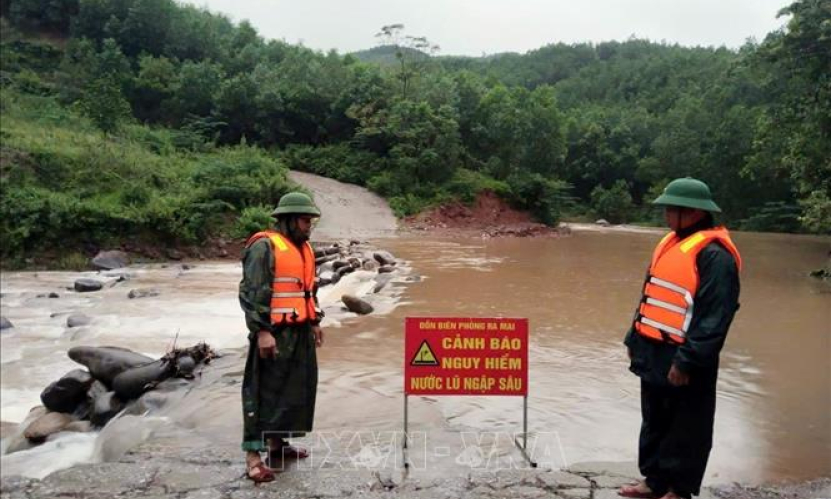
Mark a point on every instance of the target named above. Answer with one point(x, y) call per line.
point(192, 114)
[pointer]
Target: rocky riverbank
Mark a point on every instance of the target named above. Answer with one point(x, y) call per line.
point(147, 309)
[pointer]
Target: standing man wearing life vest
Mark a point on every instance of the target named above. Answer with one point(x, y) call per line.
point(278, 295)
point(689, 298)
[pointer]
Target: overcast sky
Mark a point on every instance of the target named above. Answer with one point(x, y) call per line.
point(476, 27)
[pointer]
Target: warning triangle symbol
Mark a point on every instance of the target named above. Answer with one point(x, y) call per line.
point(424, 356)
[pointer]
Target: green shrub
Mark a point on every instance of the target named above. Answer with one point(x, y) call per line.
point(340, 162)
point(773, 217)
point(407, 205)
point(614, 204)
point(467, 184)
point(66, 184)
point(253, 219)
point(543, 197)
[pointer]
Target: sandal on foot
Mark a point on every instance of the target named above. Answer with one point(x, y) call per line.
point(259, 473)
point(636, 490)
point(287, 451)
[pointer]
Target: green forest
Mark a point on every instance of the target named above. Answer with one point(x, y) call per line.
point(153, 120)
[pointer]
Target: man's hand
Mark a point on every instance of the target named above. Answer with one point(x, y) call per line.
point(678, 377)
point(267, 345)
point(318, 332)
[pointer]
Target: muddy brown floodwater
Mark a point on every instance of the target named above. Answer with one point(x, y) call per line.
point(774, 403)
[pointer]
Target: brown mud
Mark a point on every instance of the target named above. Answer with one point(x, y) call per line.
point(488, 216)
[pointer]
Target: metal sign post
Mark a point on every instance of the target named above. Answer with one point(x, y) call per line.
point(524, 447)
point(404, 450)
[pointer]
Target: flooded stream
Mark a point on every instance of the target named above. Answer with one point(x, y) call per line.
point(578, 293)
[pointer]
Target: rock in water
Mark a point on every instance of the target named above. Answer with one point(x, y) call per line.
point(76, 320)
point(85, 285)
point(602, 222)
point(66, 394)
point(355, 304)
point(105, 407)
point(108, 260)
point(386, 269)
point(345, 270)
point(16, 441)
point(5, 323)
point(49, 423)
point(142, 293)
point(185, 365)
point(133, 382)
point(384, 257)
point(105, 363)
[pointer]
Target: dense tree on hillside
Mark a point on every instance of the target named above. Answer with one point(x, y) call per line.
point(50, 15)
point(599, 128)
point(794, 134)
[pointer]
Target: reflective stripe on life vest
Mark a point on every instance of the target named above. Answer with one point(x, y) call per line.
point(668, 302)
point(293, 287)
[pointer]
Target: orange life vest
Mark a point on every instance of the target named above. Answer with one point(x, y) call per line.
point(668, 301)
point(293, 289)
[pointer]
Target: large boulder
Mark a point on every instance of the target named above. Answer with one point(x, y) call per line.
point(133, 382)
point(108, 260)
point(67, 393)
point(85, 285)
point(49, 423)
point(355, 304)
point(5, 323)
point(76, 320)
point(105, 363)
point(16, 441)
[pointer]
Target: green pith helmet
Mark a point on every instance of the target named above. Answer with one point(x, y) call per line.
point(295, 203)
point(688, 193)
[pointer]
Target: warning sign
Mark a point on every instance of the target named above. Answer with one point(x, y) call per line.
point(466, 356)
point(424, 356)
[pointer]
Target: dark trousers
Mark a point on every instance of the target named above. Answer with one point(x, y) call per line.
point(278, 395)
point(676, 435)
